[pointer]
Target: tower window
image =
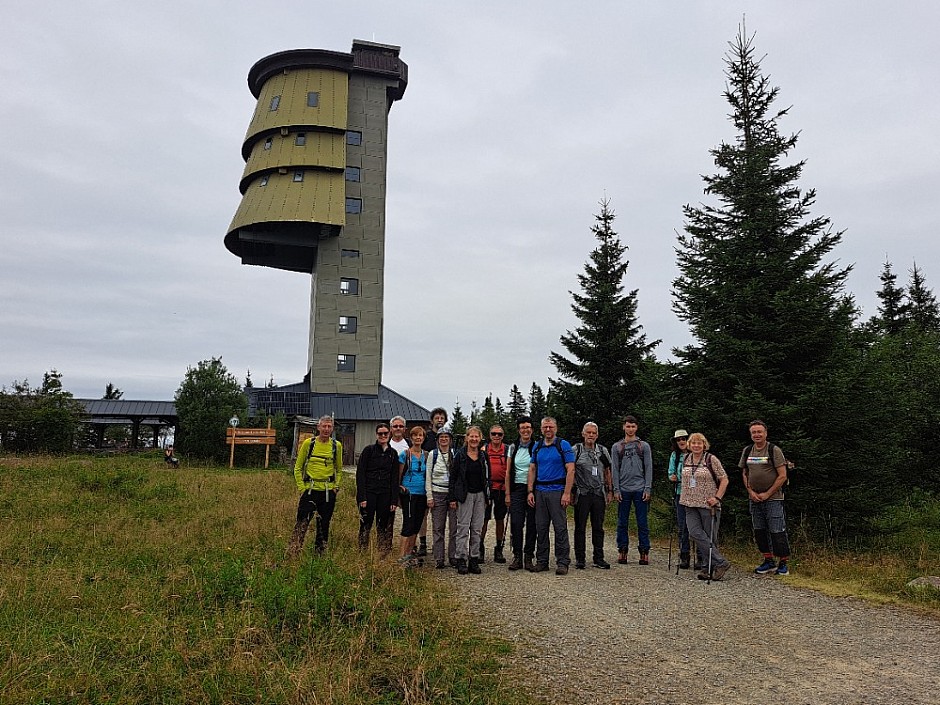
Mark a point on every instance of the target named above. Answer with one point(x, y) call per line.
point(349, 253)
point(275, 101)
point(313, 99)
point(353, 137)
point(267, 143)
point(301, 139)
point(353, 173)
point(299, 175)
point(354, 205)
point(345, 363)
point(347, 324)
point(264, 181)
point(348, 286)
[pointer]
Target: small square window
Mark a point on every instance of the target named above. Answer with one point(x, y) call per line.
point(264, 180)
point(301, 139)
point(354, 205)
point(275, 102)
point(349, 253)
point(353, 137)
point(267, 143)
point(313, 99)
point(349, 287)
point(347, 324)
point(299, 175)
point(353, 173)
point(345, 363)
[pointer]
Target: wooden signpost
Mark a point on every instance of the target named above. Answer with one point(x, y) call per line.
point(250, 436)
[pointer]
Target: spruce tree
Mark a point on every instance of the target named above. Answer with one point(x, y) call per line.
point(602, 380)
point(923, 309)
point(538, 407)
point(769, 316)
point(894, 309)
point(517, 405)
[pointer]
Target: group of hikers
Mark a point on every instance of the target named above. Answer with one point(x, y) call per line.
point(418, 473)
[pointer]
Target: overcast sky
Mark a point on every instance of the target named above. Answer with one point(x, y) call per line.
point(120, 160)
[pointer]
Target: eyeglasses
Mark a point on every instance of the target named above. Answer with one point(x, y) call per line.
point(496, 434)
point(381, 433)
point(682, 438)
point(397, 426)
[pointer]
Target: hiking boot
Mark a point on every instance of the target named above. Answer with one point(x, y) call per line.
point(516, 563)
point(601, 563)
point(475, 566)
point(482, 553)
point(540, 567)
point(453, 562)
point(422, 549)
point(768, 566)
point(580, 565)
point(644, 558)
point(703, 575)
point(560, 570)
point(461, 566)
point(684, 561)
point(498, 554)
point(528, 564)
point(441, 564)
point(782, 568)
point(719, 572)
point(622, 558)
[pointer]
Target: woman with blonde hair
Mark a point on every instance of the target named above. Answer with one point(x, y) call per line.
point(468, 493)
point(704, 483)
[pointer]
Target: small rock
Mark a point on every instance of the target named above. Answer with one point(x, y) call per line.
point(932, 581)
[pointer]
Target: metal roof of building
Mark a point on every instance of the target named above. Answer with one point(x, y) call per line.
point(127, 408)
point(298, 400)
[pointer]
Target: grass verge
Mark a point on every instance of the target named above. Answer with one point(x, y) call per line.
point(122, 581)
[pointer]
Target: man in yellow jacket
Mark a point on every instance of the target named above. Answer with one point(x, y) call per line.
point(317, 472)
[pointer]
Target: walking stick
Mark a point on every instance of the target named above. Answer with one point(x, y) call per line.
point(675, 528)
point(711, 543)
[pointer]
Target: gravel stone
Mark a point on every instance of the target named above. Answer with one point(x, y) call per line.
point(640, 634)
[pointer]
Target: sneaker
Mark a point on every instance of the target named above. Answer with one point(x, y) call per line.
point(579, 565)
point(601, 563)
point(644, 558)
point(561, 570)
point(782, 568)
point(768, 566)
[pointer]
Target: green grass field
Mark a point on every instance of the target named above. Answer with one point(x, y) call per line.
point(122, 581)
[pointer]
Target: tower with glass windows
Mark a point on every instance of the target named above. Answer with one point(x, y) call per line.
point(313, 197)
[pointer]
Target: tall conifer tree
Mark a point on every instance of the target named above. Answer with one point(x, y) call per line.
point(770, 318)
point(602, 380)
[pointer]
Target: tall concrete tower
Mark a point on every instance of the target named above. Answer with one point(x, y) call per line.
point(313, 197)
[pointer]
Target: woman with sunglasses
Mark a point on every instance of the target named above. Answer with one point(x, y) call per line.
point(680, 445)
point(377, 490)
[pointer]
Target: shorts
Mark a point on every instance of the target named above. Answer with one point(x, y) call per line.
point(412, 514)
point(496, 507)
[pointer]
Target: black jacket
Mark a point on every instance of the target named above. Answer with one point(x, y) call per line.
point(377, 472)
point(457, 491)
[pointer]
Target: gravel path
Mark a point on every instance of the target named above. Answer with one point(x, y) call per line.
point(647, 636)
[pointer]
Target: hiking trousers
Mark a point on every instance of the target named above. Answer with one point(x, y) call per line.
point(590, 506)
point(521, 522)
point(548, 511)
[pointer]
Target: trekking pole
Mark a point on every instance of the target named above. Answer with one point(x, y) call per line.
point(675, 528)
point(711, 543)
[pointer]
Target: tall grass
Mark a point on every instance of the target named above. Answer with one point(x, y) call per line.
point(122, 581)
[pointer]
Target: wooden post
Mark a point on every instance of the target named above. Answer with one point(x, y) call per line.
point(267, 448)
point(231, 455)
